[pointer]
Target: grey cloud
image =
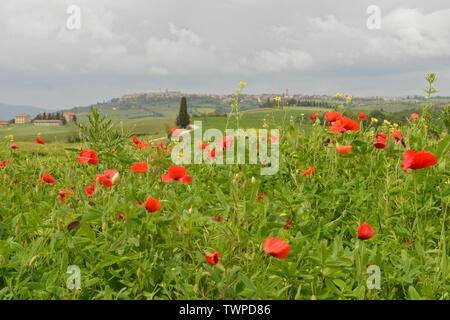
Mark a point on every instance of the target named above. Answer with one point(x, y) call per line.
point(209, 46)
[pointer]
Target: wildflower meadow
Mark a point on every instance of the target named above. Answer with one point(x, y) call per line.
point(355, 210)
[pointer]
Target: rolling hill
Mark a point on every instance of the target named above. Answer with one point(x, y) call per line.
point(8, 111)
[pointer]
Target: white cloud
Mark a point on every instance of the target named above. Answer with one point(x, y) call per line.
point(410, 32)
point(185, 53)
point(281, 60)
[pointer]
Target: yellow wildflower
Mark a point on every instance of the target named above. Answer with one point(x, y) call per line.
point(374, 120)
point(243, 84)
point(338, 95)
point(349, 100)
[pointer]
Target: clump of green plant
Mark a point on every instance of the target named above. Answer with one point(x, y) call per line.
point(235, 105)
point(100, 135)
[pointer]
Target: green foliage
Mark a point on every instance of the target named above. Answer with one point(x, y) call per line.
point(161, 255)
point(100, 135)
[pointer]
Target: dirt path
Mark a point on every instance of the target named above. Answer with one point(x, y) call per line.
point(165, 137)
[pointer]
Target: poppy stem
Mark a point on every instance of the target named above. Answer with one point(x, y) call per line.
point(415, 199)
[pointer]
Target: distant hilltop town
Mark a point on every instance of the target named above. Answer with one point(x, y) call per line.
point(43, 119)
point(261, 97)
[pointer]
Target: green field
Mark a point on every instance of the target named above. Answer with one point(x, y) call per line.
point(149, 126)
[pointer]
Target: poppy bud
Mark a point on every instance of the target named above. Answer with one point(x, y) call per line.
point(253, 180)
point(190, 211)
point(115, 179)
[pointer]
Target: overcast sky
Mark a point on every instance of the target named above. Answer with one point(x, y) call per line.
point(209, 46)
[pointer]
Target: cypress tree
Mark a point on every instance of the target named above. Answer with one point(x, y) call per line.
point(183, 119)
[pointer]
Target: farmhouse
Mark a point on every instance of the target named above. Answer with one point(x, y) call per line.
point(69, 116)
point(47, 122)
point(4, 123)
point(22, 118)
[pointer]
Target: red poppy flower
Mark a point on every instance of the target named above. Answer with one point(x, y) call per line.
point(344, 149)
point(218, 218)
point(380, 144)
point(40, 141)
point(109, 178)
point(90, 190)
point(140, 167)
point(397, 135)
point(120, 216)
point(211, 154)
point(63, 194)
point(313, 116)
point(365, 231)
point(135, 140)
point(213, 258)
point(89, 156)
point(381, 141)
point(361, 116)
point(227, 142)
point(14, 146)
point(414, 116)
point(274, 138)
point(260, 196)
point(160, 146)
point(174, 131)
point(344, 124)
point(141, 145)
point(277, 248)
point(417, 160)
point(332, 116)
point(152, 205)
point(3, 164)
point(201, 145)
point(382, 136)
point(308, 172)
point(47, 178)
point(177, 173)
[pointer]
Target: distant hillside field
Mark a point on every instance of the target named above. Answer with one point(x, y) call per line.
point(153, 121)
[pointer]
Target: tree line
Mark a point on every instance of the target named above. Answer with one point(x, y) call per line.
point(53, 116)
point(301, 102)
